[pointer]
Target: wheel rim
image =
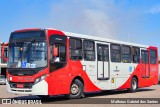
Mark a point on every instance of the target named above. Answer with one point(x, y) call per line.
point(134, 85)
point(74, 89)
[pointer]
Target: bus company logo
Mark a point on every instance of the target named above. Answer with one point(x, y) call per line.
point(116, 70)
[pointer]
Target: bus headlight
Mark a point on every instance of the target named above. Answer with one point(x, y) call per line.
point(40, 79)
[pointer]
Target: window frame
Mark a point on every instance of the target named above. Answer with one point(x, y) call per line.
point(112, 53)
point(93, 50)
point(146, 60)
point(139, 54)
point(153, 57)
point(70, 49)
point(126, 54)
point(65, 52)
point(51, 53)
point(107, 53)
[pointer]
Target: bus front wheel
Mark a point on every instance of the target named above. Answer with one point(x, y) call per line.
point(76, 90)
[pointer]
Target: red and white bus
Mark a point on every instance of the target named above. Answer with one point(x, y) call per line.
point(49, 62)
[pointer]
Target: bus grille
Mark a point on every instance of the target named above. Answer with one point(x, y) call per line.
point(21, 90)
point(26, 85)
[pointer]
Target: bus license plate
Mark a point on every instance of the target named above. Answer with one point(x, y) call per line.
point(20, 85)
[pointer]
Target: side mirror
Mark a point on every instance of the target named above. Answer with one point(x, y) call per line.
point(2, 52)
point(55, 51)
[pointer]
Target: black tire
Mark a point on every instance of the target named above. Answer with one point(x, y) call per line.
point(76, 90)
point(133, 85)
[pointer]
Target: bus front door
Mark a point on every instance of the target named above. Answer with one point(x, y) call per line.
point(102, 62)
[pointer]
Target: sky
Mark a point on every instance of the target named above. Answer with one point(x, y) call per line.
point(136, 21)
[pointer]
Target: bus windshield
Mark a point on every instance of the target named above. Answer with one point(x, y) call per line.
point(27, 55)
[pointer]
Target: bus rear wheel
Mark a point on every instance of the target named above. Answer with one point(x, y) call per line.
point(76, 90)
point(133, 85)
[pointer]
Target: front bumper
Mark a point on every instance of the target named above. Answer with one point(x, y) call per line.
point(2, 82)
point(40, 88)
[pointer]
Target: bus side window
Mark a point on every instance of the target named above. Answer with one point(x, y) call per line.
point(115, 53)
point(126, 54)
point(61, 57)
point(62, 53)
point(89, 50)
point(100, 53)
point(75, 49)
point(153, 58)
point(144, 54)
point(135, 54)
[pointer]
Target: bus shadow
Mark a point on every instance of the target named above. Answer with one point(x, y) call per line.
point(62, 98)
point(113, 92)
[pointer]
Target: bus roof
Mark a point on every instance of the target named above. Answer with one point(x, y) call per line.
point(103, 39)
point(70, 34)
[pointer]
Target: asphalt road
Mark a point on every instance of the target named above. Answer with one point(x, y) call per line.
point(148, 92)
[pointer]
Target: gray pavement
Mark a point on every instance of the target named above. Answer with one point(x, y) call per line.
point(148, 92)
